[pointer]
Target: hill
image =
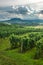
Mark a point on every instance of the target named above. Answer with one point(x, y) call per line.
point(26, 22)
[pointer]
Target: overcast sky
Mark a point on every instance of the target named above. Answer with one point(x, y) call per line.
point(17, 2)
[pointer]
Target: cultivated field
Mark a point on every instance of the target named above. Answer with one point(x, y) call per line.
point(21, 45)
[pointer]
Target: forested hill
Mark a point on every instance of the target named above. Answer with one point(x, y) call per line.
point(21, 21)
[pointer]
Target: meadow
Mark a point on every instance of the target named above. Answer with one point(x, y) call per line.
point(21, 45)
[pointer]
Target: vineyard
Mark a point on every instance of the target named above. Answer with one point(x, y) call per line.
point(21, 45)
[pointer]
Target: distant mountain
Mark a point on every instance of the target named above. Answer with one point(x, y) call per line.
point(22, 20)
point(27, 22)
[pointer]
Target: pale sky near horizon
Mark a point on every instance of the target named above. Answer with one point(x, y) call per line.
point(17, 2)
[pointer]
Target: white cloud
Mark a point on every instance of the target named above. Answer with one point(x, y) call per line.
point(17, 2)
point(40, 16)
point(35, 1)
point(30, 9)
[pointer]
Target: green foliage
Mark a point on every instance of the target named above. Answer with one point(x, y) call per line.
point(39, 49)
point(21, 38)
point(24, 44)
point(14, 42)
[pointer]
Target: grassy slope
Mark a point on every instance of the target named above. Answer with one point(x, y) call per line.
point(13, 57)
point(5, 60)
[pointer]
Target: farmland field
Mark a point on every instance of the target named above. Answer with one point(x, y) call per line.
point(21, 45)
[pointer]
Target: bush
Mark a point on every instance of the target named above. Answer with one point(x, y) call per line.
point(27, 44)
point(14, 41)
point(39, 49)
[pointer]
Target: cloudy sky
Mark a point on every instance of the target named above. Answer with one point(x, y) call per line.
point(17, 2)
point(35, 11)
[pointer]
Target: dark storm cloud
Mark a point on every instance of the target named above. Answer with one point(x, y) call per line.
point(20, 10)
point(41, 12)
